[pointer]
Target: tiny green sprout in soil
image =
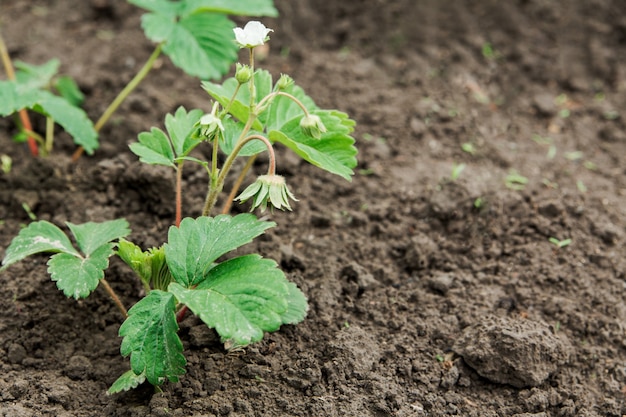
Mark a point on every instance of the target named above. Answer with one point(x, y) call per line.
point(515, 181)
point(560, 243)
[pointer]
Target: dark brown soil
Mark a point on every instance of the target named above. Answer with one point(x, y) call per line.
point(428, 296)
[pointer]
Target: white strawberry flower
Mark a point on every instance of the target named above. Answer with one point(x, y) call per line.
point(253, 34)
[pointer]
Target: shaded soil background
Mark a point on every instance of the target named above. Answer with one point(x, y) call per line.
point(428, 296)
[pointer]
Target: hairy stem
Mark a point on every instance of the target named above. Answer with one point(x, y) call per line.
point(282, 93)
point(217, 188)
point(179, 193)
point(114, 297)
point(137, 79)
point(26, 125)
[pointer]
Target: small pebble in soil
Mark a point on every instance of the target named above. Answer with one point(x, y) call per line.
point(16, 353)
point(521, 353)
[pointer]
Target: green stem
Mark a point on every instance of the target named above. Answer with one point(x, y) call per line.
point(179, 193)
point(251, 82)
point(128, 89)
point(233, 193)
point(289, 96)
point(23, 114)
point(217, 188)
point(138, 78)
point(49, 135)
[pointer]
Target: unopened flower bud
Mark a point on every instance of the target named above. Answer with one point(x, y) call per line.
point(210, 123)
point(266, 189)
point(243, 73)
point(284, 82)
point(312, 126)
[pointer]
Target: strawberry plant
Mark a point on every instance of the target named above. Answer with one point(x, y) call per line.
point(240, 297)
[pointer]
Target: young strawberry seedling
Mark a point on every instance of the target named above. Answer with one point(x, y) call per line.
point(242, 297)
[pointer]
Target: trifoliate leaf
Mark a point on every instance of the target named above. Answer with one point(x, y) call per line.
point(37, 237)
point(242, 298)
point(75, 274)
point(197, 243)
point(91, 236)
point(200, 44)
point(127, 381)
point(151, 339)
point(78, 276)
point(154, 148)
point(180, 127)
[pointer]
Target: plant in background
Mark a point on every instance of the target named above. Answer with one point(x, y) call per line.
point(241, 297)
point(195, 34)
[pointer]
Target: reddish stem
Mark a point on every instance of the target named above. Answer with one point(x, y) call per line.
point(32, 144)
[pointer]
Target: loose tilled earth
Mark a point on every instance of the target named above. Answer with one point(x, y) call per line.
point(428, 296)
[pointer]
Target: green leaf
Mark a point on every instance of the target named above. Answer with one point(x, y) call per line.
point(154, 148)
point(197, 243)
point(68, 89)
point(91, 236)
point(15, 97)
point(12, 99)
point(127, 381)
point(73, 119)
point(200, 44)
point(180, 128)
point(242, 298)
point(33, 77)
point(297, 306)
point(151, 339)
point(163, 7)
point(232, 133)
point(37, 237)
point(77, 276)
point(157, 148)
point(240, 108)
point(334, 152)
point(239, 7)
